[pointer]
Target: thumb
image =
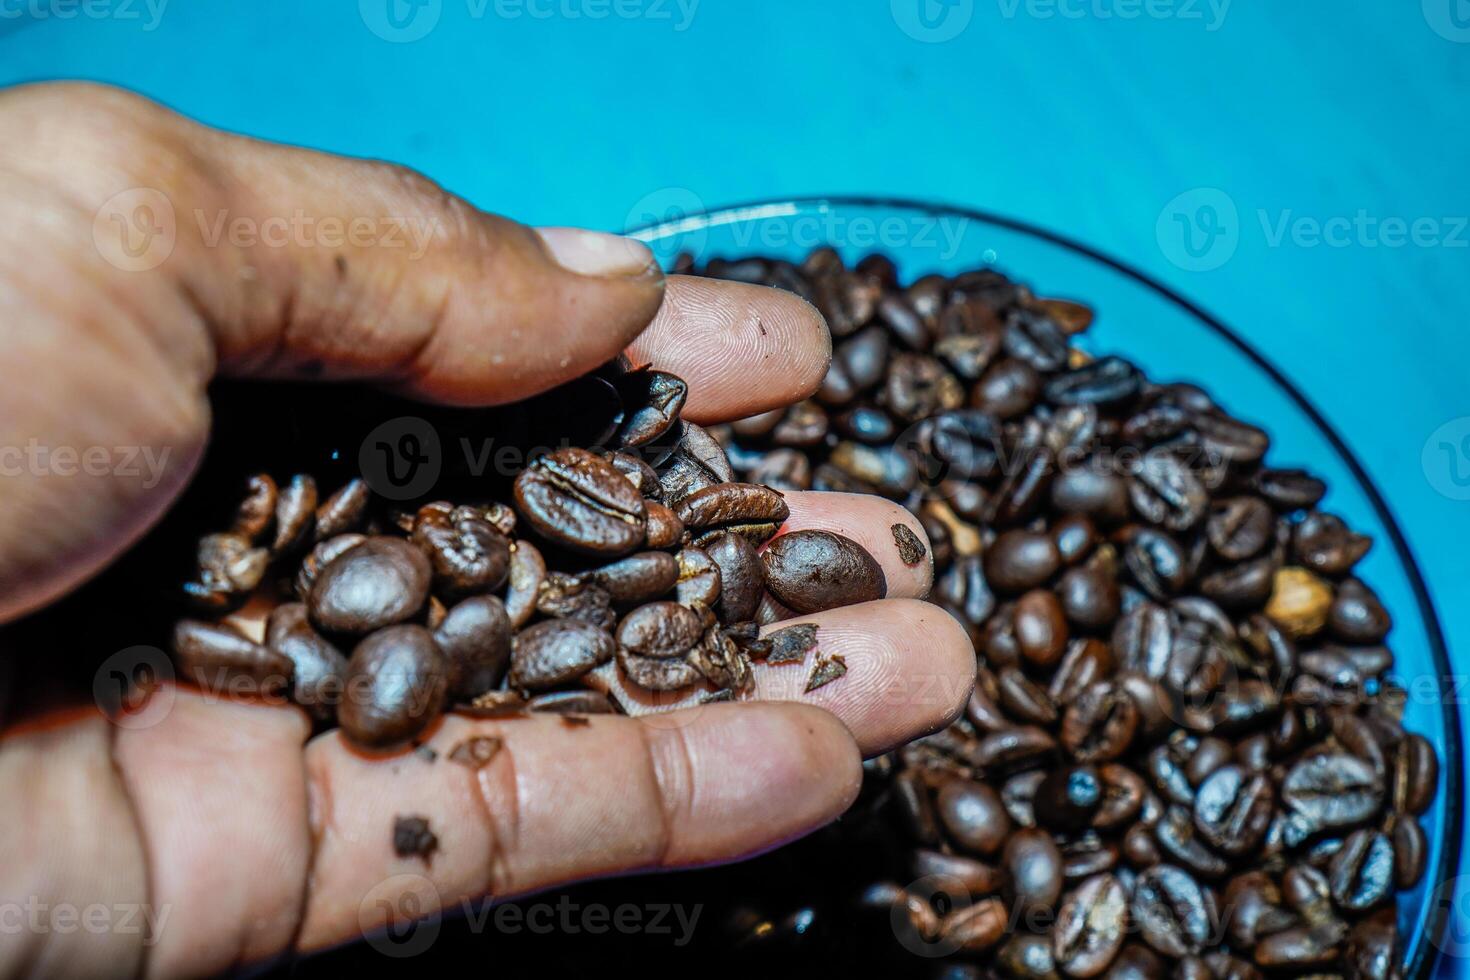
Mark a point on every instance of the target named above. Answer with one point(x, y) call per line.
point(140, 253)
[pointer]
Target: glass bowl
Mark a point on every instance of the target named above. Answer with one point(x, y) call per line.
point(1172, 339)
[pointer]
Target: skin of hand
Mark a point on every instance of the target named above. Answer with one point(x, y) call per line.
point(239, 835)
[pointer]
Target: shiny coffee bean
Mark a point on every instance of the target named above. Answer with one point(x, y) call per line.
point(526, 576)
point(397, 679)
point(752, 511)
point(319, 669)
point(1169, 909)
point(221, 659)
point(809, 571)
point(973, 816)
point(699, 578)
point(639, 578)
point(556, 651)
point(578, 501)
point(1091, 926)
point(469, 555)
point(1034, 865)
point(1090, 598)
point(379, 582)
point(475, 637)
point(660, 398)
point(1021, 560)
point(742, 576)
point(661, 630)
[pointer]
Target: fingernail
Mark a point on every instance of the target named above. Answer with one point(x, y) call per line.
point(592, 253)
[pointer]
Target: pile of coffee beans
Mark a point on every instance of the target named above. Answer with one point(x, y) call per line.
point(1182, 756)
point(633, 566)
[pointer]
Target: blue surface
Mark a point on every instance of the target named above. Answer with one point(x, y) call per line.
point(1242, 124)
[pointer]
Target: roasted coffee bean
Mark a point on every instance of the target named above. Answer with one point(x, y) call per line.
point(1089, 598)
point(1332, 790)
point(577, 597)
point(580, 502)
point(396, 684)
point(295, 514)
point(1233, 809)
point(1169, 909)
point(973, 816)
point(665, 530)
point(1362, 871)
point(1164, 492)
point(699, 581)
point(976, 877)
point(639, 578)
point(746, 509)
point(1356, 615)
point(742, 575)
point(1099, 725)
point(319, 669)
point(1034, 867)
point(1137, 962)
point(1157, 562)
point(657, 673)
point(527, 574)
point(1027, 956)
point(1103, 496)
point(1301, 947)
point(219, 658)
point(1106, 382)
point(1410, 852)
point(1176, 836)
point(556, 651)
point(228, 569)
point(1023, 699)
point(1021, 560)
point(1322, 543)
point(1371, 952)
point(475, 637)
point(257, 509)
point(1091, 926)
point(1289, 490)
point(1068, 797)
point(660, 398)
point(1041, 627)
point(809, 571)
point(379, 582)
point(344, 510)
point(1014, 746)
point(1240, 527)
point(661, 630)
point(1415, 775)
point(469, 555)
point(697, 462)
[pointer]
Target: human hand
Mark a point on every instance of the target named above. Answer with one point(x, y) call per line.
point(256, 838)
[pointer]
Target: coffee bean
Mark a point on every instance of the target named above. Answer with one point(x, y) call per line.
point(657, 673)
point(639, 578)
point(215, 654)
point(1332, 790)
point(1157, 562)
point(1410, 852)
point(1240, 527)
point(1362, 872)
point(699, 581)
point(1090, 927)
point(1356, 615)
point(1068, 797)
point(257, 509)
point(660, 398)
point(661, 630)
point(556, 651)
point(578, 501)
point(1099, 725)
point(576, 597)
point(1232, 809)
point(1108, 381)
point(1137, 962)
point(1322, 543)
point(810, 571)
point(1169, 909)
point(396, 683)
point(1089, 598)
point(1034, 866)
point(742, 575)
point(469, 555)
point(1301, 947)
point(1021, 560)
point(295, 514)
point(379, 582)
point(752, 511)
point(319, 669)
point(1041, 627)
point(664, 527)
point(1289, 490)
point(1415, 775)
point(697, 462)
point(475, 637)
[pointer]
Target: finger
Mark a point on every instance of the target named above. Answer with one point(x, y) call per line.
point(140, 251)
point(743, 349)
point(558, 803)
point(910, 668)
point(869, 521)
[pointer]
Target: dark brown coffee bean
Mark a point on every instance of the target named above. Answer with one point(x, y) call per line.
point(1230, 439)
point(1166, 493)
point(556, 651)
point(1362, 871)
point(1075, 536)
point(1121, 797)
point(664, 527)
point(976, 928)
point(1014, 746)
point(228, 569)
point(698, 461)
point(1090, 927)
point(742, 575)
point(1372, 952)
point(1157, 562)
point(975, 877)
point(219, 658)
point(1101, 495)
point(1233, 809)
point(1169, 909)
point(1023, 699)
point(964, 587)
point(379, 582)
point(469, 555)
point(804, 424)
point(1021, 560)
point(319, 669)
point(661, 630)
point(1332, 790)
point(752, 511)
point(1240, 527)
point(1067, 799)
point(659, 397)
point(1176, 836)
point(396, 684)
point(1137, 962)
point(578, 597)
point(1007, 388)
point(1027, 956)
point(1410, 852)
point(1289, 490)
point(344, 510)
point(1301, 947)
point(295, 515)
point(580, 502)
point(1040, 628)
point(1090, 598)
point(699, 578)
point(1100, 724)
point(527, 573)
point(258, 508)
point(475, 638)
point(1323, 544)
point(1105, 382)
point(1415, 775)
point(810, 571)
point(639, 578)
point(1255, 908)
point(1034, 866)
point(658, 673)
point(1356, 615)
point(973, 816)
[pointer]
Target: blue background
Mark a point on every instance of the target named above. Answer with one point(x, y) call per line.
point(1102, 119)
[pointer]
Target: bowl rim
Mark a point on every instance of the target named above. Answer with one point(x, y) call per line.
point(1430, 952)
